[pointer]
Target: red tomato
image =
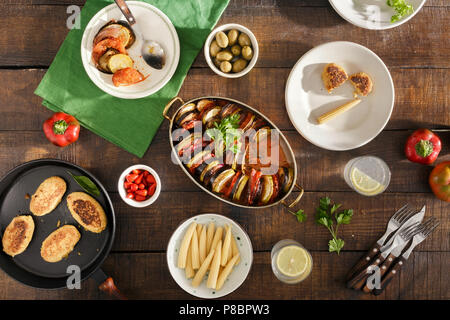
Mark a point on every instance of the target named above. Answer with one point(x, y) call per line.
point(139, 179)
point(126, 184)
point(146, 173)
point(440, 181)
point(141, 186)
point(151, 179)
point(142, 192)
point(133, 187)
point(131, 177)
point(151, 189)
point(136, 171)
point(139, 198)
point(130, 195)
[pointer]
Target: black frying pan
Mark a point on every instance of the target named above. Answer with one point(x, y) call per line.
point(90, 252)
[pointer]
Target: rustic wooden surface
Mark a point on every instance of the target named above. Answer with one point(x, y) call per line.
point(416, 54)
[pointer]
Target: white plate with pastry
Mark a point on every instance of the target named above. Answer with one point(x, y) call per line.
point(308, 100)
point(376, 14)
point(196, 258)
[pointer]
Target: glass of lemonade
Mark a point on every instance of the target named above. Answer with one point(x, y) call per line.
point(291, 262)
point(367, 175)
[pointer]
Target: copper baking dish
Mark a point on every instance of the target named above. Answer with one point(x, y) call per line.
point(283, 143)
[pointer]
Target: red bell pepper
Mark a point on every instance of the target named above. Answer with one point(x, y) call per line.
point(61, 129)
point(440, 181)
point(423, 146)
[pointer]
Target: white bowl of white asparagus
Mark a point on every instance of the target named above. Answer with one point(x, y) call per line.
point(209, 256)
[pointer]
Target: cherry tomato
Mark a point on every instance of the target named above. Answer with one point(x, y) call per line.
point(142, 193)
point(141, 186)
point(139, 198)
point(133, 187)
point(130, 195)
point(126, 184)
point(151, 179)
point(139, 179)
point(151, 189)
point(136, 171)
point(131, 177)
point(146, 173)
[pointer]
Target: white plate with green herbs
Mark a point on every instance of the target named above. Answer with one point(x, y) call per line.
point(377, 14)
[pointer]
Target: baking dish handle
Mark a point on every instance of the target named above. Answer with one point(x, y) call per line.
point(169, 104)
point(297, 200)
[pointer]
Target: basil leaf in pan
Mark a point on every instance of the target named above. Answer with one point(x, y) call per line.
point(86, 184)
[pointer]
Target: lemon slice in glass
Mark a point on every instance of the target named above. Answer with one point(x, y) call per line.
point(293, 261)
point(365, 184)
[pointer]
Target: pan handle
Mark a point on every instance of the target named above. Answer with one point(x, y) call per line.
point(169, 104)
point(108, 286)
point(297, 200)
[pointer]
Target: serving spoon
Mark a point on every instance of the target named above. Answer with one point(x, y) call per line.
point(151, 51)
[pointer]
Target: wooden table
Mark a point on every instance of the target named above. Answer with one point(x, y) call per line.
point(417, 54)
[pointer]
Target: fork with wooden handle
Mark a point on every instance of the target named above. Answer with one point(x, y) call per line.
point(425, 230)
point(400, 240)
point(402, 215)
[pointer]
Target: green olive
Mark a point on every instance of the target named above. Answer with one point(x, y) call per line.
point(225, 66)
point(216, 62)
point(224, 55)
point(214, 48)
point(236, 50)
point(232, 37)
point(247, 53)
point(239, 65)
point(222, 39)
point(244, 40)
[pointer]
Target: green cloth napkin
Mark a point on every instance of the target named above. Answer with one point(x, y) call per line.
point(130, 124)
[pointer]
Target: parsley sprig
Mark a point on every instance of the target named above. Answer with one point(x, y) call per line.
point(324, 216)
point(227, 131)
point(401, 7)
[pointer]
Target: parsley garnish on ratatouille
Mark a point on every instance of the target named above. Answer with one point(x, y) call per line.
point(324, 216)
point(227, 131)
point(401, 7)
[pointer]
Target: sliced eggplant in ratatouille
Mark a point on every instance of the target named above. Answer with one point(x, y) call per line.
point(187, 118)
point(204, 104)
point(286, 176)
point(116, 29)
point(211, 165)
point(211, 113)
point(222, 180)
point(186, 142)
point(267, 189)
point(211, 175)
point(239, 188)
point(119, 61)
point(104, 59)
point(185, 110)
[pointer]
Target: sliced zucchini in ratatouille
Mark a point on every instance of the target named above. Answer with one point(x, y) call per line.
point(103, 61)
point(119, 61)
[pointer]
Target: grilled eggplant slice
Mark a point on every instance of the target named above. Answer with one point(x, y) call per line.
point(286, 176)
point(118, 62)
point(212, 174)
point(204, 104)
point(239, 188)
point(247, 121)
point(222, 179)
point(116, 29)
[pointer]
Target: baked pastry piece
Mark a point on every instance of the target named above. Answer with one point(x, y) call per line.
point(17, 235)
point(362, 82)
point(60, 243)
point(87, 211)
point(333, 76)
point(47, 196)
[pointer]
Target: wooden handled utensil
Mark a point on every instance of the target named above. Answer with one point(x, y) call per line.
point(400, 240)
point(397, 220)
point(425, 230)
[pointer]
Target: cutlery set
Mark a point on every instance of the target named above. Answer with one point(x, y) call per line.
point(386, 257)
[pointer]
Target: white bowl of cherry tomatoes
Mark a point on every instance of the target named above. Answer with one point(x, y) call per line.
point(139, 186)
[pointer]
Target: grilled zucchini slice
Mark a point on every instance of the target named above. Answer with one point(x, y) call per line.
point(119, 61)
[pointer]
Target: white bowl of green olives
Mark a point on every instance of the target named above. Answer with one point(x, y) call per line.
point(231, 50)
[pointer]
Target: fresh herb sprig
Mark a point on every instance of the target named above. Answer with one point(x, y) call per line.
point(300, 214)
point(227, 131)
point(401, 7)
point(86, 184)
point(324, 216)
